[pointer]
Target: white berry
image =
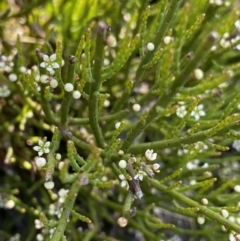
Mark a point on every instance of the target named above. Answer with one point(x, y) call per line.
point(68, 87)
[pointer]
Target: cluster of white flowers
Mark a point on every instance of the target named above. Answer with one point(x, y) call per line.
point(6, 63)
point(140, 175)
point(43, 148)
point(200, 146)
point(62, 193)
point(124, 182)
point(196, 113)
point(44, 79)
point(234, 237)
point(144, 169)
point(4, 91)
point(192, 164)
point(38, 224)
point(228, 39)
point(68, 87)
point(16, 237)
point(219, 2)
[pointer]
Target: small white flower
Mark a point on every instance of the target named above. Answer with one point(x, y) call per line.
point(200, 146)
point(10, 204)
point(49, 185)
point(224, 213)
point(122, 222)
point(43, 147)
point(183, 151)
point(40, 161)
point(4, 91)
point(150, 155)
point(201, 220)
point(167, 40)
point(16, 237)
point(39, 237)
point(44, 79)
point(150, 46)
point(181, 111)
point(124, 182)
point(12, 77)
point(111, 41)
point(237, 23)
point(106, 103)
point(106, 62)
point(237, 188)
point(53, 83)
point(68, 87)
point(127, 17)
point(198, 111)
point(136, 107)
point(236, 145)
point(62, 195)
point(49, 62)
point(38, 224)
point(23, 69)
point(52, 209)
point(198, 74)
point(76, 95)
point(122, 164)
point(156, 167)
point(63, 192)
point(117, 125)
point(204, 201)
point(192, 164)
point(58, 157)
point(216, 2)
point(140, 175)
point(6, 63)
point(192, 182)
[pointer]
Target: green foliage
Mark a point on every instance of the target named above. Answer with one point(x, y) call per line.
point(119, 120)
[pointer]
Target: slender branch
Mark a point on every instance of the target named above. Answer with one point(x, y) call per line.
point(68, 207)
point(190, 203)
point(68, 95)
point(96, 84)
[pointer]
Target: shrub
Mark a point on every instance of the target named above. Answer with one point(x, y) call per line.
point(119, 120)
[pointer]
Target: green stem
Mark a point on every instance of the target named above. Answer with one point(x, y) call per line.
point(68, 207)
point(47, 109)
point(190, 203)
point(96, 84)
point(108, 118)
point(68, 95)
point(159, 35)
point(176, 142)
